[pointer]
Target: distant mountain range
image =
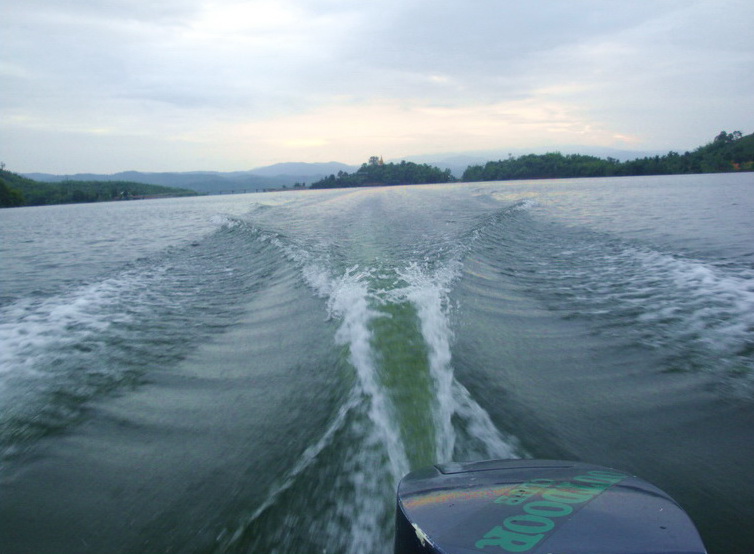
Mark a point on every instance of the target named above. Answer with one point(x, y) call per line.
point(216, 182)
point(459, 162)
point(291, 173)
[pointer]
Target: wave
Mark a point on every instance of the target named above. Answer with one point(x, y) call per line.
point(405, 409)
point(60, 351)
point(698, 309)
point(440, 326)
point(698, 314)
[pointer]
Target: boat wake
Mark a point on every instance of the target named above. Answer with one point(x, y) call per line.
point(405, 410)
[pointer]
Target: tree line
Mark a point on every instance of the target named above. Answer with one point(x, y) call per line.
point(376, 172)
point(16, 190)
point(727, 152)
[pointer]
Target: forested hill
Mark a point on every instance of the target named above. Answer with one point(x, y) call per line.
point(376, 172)
point(16, 190)
point(726, 153)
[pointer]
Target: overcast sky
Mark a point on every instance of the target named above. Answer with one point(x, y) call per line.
point(177, 85)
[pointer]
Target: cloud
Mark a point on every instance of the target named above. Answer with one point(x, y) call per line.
point(399, 128)
point(252, 82)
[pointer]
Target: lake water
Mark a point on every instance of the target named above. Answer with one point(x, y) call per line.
point(255, 373)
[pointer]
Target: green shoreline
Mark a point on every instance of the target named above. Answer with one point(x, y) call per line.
point(18, 191)
point(728, 152)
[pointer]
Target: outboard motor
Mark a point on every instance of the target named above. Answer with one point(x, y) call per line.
point(537, 506)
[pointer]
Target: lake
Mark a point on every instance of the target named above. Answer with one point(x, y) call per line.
point(255, 373)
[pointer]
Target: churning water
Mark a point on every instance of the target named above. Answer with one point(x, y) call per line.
point(255, 373)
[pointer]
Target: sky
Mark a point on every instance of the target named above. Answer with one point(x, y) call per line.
point(178, 85)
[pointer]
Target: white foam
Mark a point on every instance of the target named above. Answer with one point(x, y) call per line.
point(222, 220)
point(490, 442)
point(714, 305)
point(349, 301)
point(227, 539)
point(428, 291)
point(429, 294)
point(32, 331)
point(378, 453)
